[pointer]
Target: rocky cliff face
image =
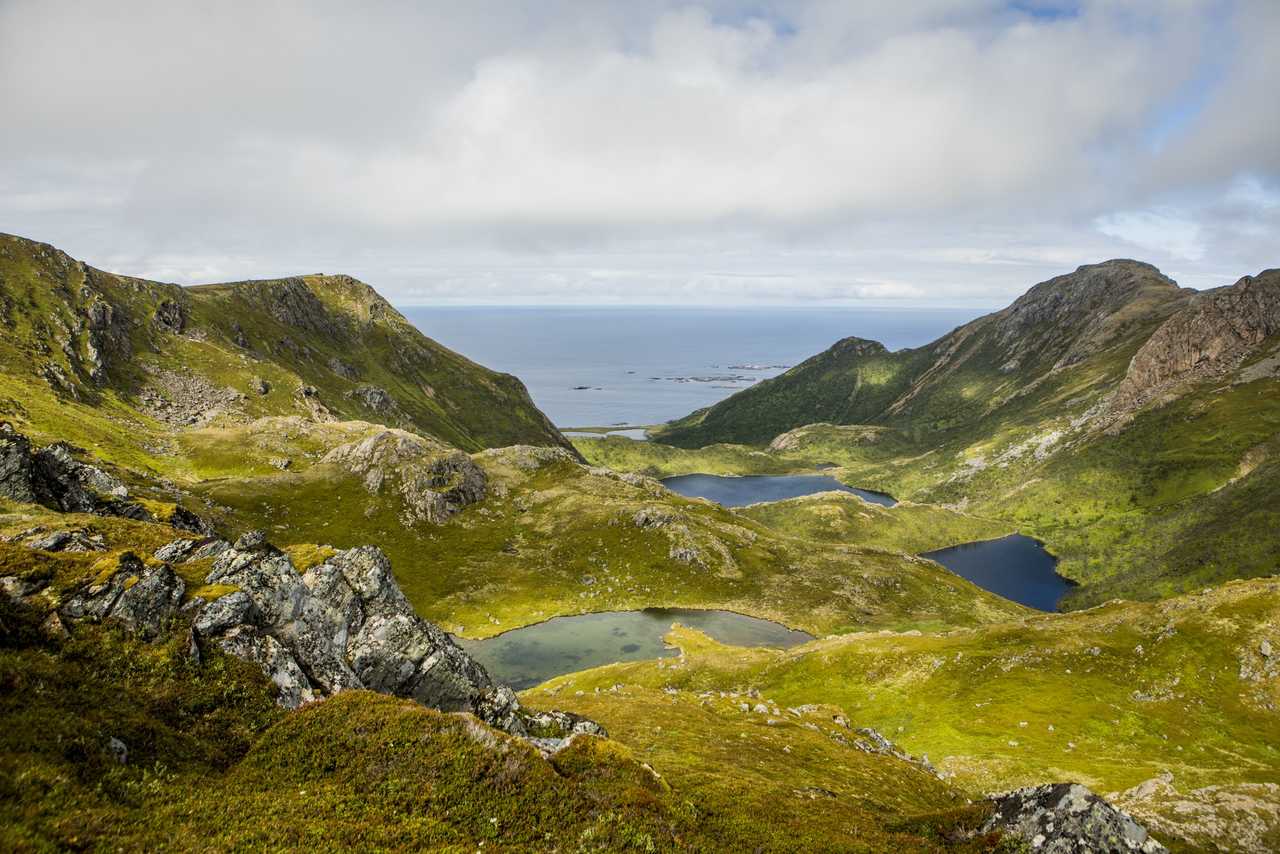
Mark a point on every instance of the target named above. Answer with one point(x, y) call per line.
point(1210, 337)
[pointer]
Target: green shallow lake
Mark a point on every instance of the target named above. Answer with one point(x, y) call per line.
point(528, 656)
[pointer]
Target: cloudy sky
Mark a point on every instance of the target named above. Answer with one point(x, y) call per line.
point(939, 152)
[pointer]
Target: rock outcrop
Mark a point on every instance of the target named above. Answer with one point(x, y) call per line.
point(433, 481)
point(17, 478)
point(53, 477)
point(341, 625)
point(145, 599)
point(1210, 337)
point(1067, 818)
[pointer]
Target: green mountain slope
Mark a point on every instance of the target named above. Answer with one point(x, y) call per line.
point(1130, 424)
point(173, 357)
point(1083, 327)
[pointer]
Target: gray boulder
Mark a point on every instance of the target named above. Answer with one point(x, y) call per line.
point(1067, 818)
point(68, 541)
point(16, 470)
point(143, 599)
point(346, 624)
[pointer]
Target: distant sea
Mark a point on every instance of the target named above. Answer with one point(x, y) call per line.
point(595, 367)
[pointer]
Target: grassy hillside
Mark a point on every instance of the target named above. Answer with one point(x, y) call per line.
point(109, 742)
point(156, 357)
point(553, 537)
point(1112, 697)
point(1078, 329)
point(1129, 424)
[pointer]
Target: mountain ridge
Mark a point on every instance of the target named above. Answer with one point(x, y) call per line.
point(318, 345)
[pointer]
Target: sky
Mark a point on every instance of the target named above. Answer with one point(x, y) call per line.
point(719, 153)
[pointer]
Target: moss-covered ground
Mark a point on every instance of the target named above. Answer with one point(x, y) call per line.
point(554, 538)
point(1110, 697)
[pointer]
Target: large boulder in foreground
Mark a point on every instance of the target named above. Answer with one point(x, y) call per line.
point(1067, 818)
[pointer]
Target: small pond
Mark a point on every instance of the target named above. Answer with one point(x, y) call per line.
point(528, 656)
point(741, 491)
point(1015, 567)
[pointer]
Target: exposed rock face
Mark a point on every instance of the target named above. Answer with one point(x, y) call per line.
point(171, 316)
point(1208, 338)
point(341, 625)
point(1069, 318)
point(345, 624)
point(16, 475)
point(145, 599)
point(1067, 818)
point(373, 398)
point(52, 476)
point(434, 482)
point(63, 483)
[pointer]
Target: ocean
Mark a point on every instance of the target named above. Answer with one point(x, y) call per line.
point(597, 367)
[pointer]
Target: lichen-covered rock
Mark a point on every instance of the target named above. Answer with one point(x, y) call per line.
point(433, 481)
point(16, 470)
point(250, 644)
point(343, 624)
point(68, 541)
point(143, 599)
point(1067, 818)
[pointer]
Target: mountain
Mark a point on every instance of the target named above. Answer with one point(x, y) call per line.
point(174, 357)
point(1132, 425)
point(1081, 326)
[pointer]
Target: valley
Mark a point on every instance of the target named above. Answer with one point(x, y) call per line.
point(247, 518)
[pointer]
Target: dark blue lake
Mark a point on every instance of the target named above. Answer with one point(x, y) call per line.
point(528, 656)
point(741, 491)
point(1015, 567)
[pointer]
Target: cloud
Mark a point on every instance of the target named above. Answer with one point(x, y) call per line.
point(788, 151)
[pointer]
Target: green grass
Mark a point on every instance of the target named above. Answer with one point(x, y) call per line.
point(554, 538)
point(213, 764)
point(842, 517)
point(1108, 697)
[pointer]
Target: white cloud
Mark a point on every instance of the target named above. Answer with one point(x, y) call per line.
point(555, 150)
point(1159, 231)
